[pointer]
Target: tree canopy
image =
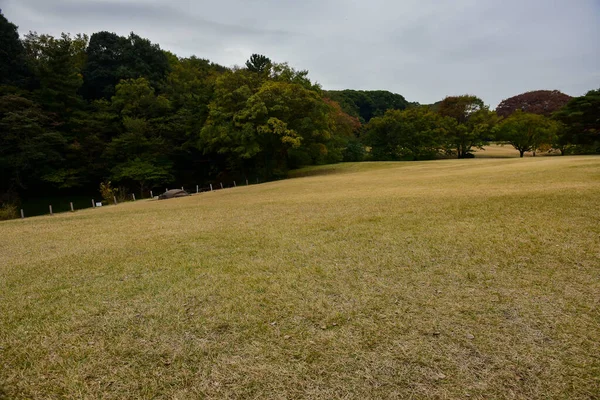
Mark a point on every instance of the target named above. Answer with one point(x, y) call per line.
point(526, 131)
point(414, 134)
point(543, 102)
point(473, 122)
point(365, 104)
point(581, 119)
point(258, 63)
point(111, 57)
point(13, 69)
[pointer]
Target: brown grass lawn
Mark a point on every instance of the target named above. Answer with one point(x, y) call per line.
point(497, 150)
point(445, 279)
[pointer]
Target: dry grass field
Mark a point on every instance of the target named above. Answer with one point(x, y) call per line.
point(497, 150)
point(445, 279)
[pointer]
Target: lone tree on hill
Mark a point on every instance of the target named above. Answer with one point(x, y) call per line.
point(258, 63)
point(541, 102)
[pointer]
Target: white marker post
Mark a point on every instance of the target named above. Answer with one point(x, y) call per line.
point(211, 187)
point(182, 188)
point(50, 207)
point(196, 188)
point(133, 195)
point(234, 185)
point(93, 203)
point(22, 214)
point(115, 199)
point(71, 204)
point(221, 185)
point(151, 196)
point(246, 182)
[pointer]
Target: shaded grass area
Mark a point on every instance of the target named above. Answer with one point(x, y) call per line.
point(436, 279)
point(39, 205)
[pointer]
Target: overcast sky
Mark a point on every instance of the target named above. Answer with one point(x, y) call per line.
point(422, 49)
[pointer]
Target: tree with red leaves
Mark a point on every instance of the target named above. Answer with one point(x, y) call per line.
point(541, 102)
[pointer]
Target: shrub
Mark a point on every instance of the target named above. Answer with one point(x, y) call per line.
point(107, 192)
point(8, 211)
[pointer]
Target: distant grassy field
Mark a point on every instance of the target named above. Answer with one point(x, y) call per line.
point(445, 279)
point(496, 150)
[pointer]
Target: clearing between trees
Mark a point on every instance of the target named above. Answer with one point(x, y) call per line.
point(435, 279)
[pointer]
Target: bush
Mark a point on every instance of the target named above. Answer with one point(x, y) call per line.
point(108, 192)
point(8, 211)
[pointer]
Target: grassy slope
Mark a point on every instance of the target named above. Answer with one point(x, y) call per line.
point(428, 280)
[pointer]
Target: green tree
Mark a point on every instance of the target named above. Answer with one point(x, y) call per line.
point(31, 153)
point(285, 116)
point(282, 72)
point(93, 128)
point(143, 172)
point(56, 64)
point(473, 123)
point(267, 123)
point(413, 134)
point(13, 68)
point(367, 104)
point(527, 132)
point(135, 98)
point(581, 119)
point(139, 154)
point(344, 129)
point(259, 63)
point(111, 58)
point(228, 142)
point(190, 88)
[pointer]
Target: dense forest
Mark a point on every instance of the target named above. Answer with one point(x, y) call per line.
point(78, 111)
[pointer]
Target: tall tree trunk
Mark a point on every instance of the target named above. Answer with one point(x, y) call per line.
point(521, 152)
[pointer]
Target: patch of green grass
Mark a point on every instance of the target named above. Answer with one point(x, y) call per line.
point(438, 279)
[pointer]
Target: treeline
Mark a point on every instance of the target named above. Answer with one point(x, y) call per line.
point(457, 125)
point(77, 111)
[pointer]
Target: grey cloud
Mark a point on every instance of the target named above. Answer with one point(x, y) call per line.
point(156, 16)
